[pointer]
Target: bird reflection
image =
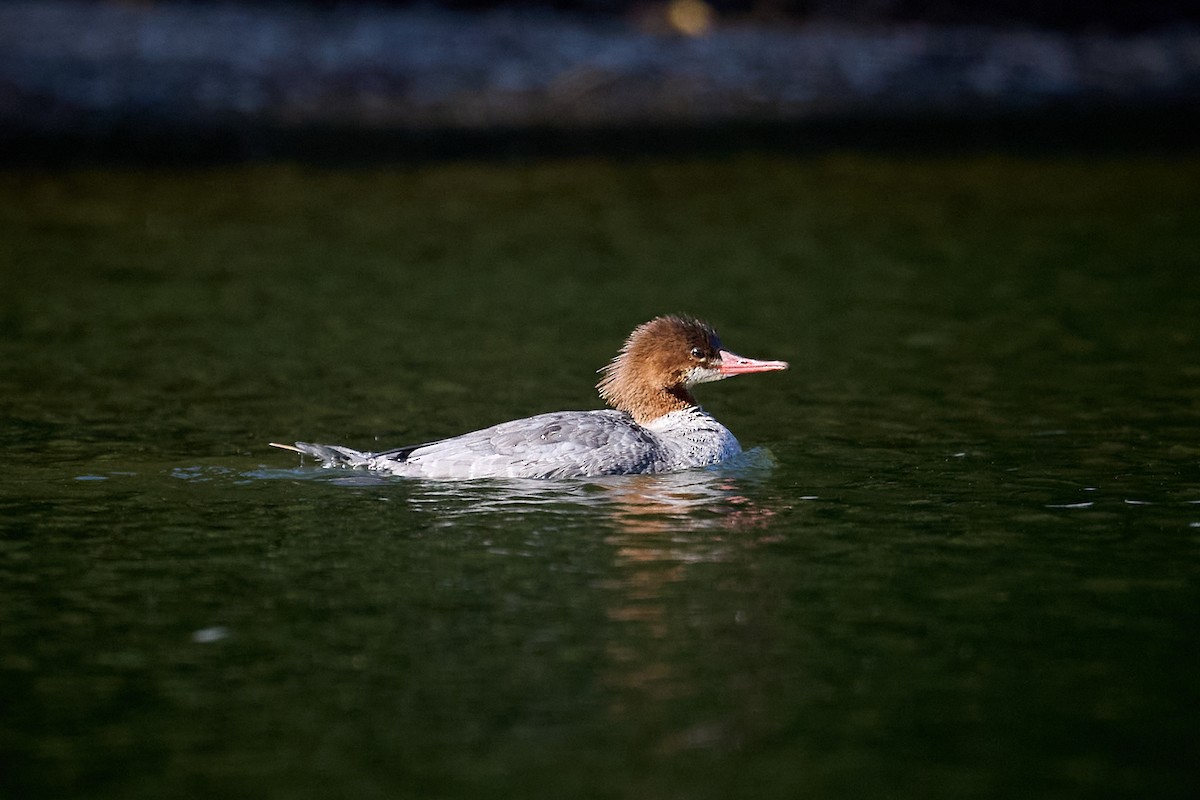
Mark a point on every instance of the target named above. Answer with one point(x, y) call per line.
point(693, 500)
point(666, 529)
point(666, 536)
point(697, 500)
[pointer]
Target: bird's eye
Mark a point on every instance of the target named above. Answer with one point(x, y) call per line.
point(697, 353)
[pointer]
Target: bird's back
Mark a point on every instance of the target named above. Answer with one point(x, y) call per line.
point(560, 444)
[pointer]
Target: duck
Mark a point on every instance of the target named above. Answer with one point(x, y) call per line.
point(653, 423)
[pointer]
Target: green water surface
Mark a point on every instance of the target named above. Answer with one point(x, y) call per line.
point(959, 560)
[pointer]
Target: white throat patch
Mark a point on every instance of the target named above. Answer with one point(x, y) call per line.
point(702, 375)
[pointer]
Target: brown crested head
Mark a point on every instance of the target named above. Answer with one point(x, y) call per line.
point(661, 359)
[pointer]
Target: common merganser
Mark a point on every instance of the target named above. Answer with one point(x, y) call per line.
point(654, 425)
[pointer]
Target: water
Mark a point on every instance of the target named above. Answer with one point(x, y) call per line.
point(958, 560)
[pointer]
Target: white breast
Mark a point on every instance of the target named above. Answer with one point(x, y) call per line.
point(693, 438)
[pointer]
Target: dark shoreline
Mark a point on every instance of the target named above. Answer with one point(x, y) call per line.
point(1149, 131)
point(175, 83)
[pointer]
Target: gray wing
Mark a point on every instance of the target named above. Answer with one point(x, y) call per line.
point(556, 445)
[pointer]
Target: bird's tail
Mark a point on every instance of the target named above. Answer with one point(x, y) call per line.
point(331, 455)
